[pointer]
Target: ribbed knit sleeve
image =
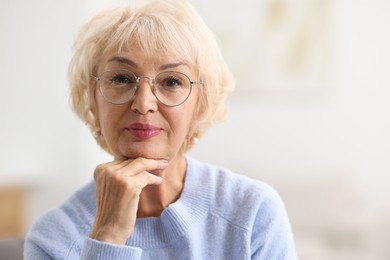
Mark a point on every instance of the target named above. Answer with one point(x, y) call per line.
point(97, 250)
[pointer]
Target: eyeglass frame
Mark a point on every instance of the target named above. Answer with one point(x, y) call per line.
point(138, 80)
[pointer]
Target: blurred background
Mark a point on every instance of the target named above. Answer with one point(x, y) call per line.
point(310, 114)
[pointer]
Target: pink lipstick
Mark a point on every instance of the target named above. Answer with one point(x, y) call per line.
point(143, 131)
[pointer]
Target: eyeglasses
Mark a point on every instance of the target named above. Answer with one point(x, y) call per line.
point(171, 88)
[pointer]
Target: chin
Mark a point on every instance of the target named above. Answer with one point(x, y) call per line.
point(145, 153)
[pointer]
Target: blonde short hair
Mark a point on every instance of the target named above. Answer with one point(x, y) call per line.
point(168, 26)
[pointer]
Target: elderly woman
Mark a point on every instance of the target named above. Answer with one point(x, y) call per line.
point(148, 81)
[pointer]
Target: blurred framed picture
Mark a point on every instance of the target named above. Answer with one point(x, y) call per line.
point(278, 49)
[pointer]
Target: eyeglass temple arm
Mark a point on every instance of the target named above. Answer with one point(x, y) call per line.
point(97, 78)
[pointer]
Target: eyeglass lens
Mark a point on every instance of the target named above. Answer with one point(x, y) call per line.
point(170, 88)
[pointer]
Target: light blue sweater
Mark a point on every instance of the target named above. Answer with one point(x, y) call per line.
point(219, 215)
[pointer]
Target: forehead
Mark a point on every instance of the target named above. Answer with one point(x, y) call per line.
point(137, 58)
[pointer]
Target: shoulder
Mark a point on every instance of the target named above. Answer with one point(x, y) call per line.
point(251, 206)
point(236, 197)
point(57, 230)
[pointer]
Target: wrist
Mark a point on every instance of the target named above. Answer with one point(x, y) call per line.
point(109, 236)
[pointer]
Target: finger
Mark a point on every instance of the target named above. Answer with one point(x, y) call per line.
point(139, 165)
point(145, 178)
point(112, 166)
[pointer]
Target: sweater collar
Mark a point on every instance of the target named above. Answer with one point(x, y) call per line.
point(191, 207)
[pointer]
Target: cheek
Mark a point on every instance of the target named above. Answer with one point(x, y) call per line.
point(107, 116)
point(183, 120)
point(110, 118)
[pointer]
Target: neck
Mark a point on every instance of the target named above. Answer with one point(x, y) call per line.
point(155, 198)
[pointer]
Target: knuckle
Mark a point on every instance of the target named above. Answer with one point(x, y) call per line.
point(99, 168)
point(137, 190)
point(104, 171)
point(98, 171)
point(142, 161)
point(144, 175)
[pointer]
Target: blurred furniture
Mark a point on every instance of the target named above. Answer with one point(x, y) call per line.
point(333, 218)
point(11, 249)
point(11, 211)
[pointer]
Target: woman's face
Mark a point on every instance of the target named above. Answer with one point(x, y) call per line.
point(143, 127)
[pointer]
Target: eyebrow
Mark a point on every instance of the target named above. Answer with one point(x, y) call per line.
point(123, 60)
point(133, 64)
point(172, 65)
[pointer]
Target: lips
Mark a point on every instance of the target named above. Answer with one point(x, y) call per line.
point(144, 131)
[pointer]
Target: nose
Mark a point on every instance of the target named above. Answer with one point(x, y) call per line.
point(144, 101)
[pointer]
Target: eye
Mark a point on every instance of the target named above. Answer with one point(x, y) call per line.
point(171, 82)
point(122, 79)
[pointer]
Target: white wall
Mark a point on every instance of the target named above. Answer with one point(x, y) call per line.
point(342, 133)
point(43, 145)
point(340, 130)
